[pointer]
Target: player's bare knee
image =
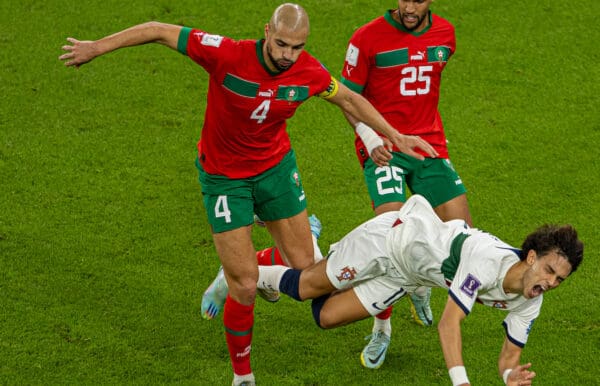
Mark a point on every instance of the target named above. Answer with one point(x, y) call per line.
point(327, 320)
point(244, 290)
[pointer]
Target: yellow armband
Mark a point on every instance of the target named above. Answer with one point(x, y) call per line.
point(331, 91)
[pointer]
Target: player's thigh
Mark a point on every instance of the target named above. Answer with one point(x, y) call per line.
point(456, 208)
point(278, 193)
point(228, 202)
point(281, 203)
point(341, 308)
point(437, 181)
point(379, 293)
point(293, 239)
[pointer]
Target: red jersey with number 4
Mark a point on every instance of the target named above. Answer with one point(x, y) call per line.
point(244, 131)
point(399, 72)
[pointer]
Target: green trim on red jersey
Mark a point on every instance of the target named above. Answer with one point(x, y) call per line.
point(351, 85)
point(261, 58)
point(182, 41)
point(391, 58)
point(241, 86)
point(390, 19)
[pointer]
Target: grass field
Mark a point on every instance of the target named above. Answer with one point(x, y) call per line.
point(104, 245)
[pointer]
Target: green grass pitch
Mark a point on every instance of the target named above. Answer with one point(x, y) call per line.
point(104, 245)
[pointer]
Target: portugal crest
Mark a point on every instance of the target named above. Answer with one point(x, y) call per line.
point(347, 273)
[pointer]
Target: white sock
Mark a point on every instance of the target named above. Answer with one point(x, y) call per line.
point(237, 379)
point(421, 292)
point(318, 254)
point(384, 325)
point(269, 276)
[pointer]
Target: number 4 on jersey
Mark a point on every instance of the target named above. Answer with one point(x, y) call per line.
point(260, 113)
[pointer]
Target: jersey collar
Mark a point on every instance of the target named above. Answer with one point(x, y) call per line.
point(261, 58)
point(388, 17)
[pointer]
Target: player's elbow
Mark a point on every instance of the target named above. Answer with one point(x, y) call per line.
point(445, 326)
point(159, 32)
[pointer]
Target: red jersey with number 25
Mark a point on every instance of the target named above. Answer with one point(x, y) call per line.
point(399, 72)
point(244, 131)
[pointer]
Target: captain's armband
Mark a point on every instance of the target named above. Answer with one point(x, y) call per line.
point(331, 90)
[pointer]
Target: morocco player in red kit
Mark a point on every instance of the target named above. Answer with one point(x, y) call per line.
point(396, 62)
point(245, 159)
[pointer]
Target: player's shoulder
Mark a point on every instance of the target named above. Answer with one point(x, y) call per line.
point(219, 42)
point(370, 27)
point(441, 23)
point(482, 243)
point(309, 63)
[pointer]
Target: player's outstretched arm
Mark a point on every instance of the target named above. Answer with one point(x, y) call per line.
point(379, 148)
point(451, 341)
point(511, 372)
point(358, 107)
point(79, 52)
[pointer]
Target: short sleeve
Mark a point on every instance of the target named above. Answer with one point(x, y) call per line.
point(518, 322)
point(356, 65)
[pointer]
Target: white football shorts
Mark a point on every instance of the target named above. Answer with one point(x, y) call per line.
point(360, 260)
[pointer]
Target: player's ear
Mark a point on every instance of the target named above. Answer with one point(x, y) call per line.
point(531, 257)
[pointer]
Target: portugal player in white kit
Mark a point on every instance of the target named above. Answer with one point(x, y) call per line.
point(390, 255)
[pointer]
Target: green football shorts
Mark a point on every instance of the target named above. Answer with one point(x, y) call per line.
point(273, 195)
point(433, 178)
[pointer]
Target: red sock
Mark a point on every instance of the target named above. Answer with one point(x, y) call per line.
point(269, 256)
point(238, 320)
point(385, 314)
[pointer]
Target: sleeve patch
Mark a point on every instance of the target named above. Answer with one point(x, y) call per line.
point(352, 55)
point(469, 286)
point(211, 40)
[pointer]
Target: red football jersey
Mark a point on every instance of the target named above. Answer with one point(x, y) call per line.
point(399, 72)
point(244, 131)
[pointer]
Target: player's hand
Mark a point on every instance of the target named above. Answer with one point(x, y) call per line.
point(407, 143)
point(381, 155)
point(78, 53)
point(520, 376)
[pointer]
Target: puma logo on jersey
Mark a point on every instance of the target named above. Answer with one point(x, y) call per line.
point(420, 55)
point(267, 94)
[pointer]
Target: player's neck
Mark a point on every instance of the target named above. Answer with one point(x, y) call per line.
point(267, 59)
point(513, 281)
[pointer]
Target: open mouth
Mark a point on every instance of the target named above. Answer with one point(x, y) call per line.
point(537, 290)
point(410, 19)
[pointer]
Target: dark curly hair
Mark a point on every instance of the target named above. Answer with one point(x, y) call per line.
point(561, 239)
